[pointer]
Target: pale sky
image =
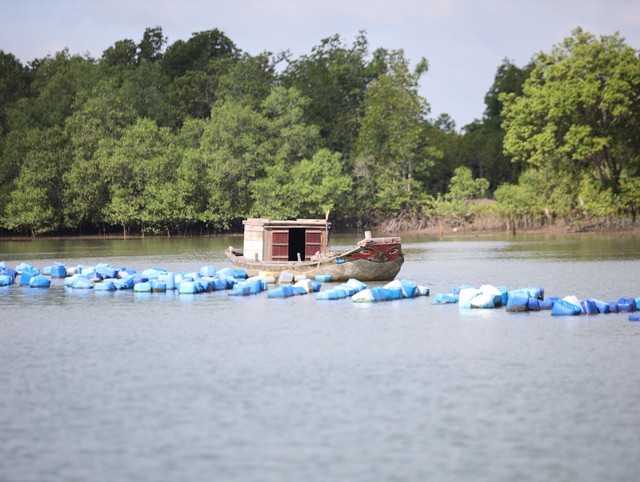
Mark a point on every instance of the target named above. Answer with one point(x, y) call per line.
point(464, 40)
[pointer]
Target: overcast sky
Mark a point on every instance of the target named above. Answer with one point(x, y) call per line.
point(463, 40)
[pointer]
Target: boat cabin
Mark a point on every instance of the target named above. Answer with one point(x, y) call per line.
point(299, 240)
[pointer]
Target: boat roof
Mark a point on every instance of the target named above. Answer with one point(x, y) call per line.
point(316, 223)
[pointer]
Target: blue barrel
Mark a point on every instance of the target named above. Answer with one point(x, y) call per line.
point(218, 284)
point(58, 271)
point(187, 287)
point(384, 294)
point(504, 295)
point(395, 292)
point(240, 274)
point(106, 271)
point(634, 317)
point(255, 286)
point(158, 286)
point(6, 280)
point(562, 307)
point(332, 294)
point(142, 287)
point(207, 285)
point(92, 274)
point(535, 292)
point(208, 271)
point(518, 301)
point(627, 304)
point(324, 278)
point(602, 306)
point(106, 285)
point(227, 281)
point(340, 292)
point(69, 280)
point(26, 275)
point(283, 291)
point(445, 299)
point(24, 266)
point(169, 280)
point(613, 307)
point(124, 283)
point(39, 281)
point(226, 272)
point(364, 296)
point(240, 290)
point(409, 288)
point(375, 294)
point(81, 282)
point(465, 295)
point(9, 272)
point(533, 304)
point(348, 289)
point(589, 307)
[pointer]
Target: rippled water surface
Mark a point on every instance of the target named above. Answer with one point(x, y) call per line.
point(107, 386)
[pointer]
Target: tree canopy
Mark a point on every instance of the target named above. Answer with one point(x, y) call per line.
point(577, 119)
point(196, 135)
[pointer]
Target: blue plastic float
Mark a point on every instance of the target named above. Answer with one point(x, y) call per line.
point(374, 294)
point(104, 277)
point(627, 304)
point(39, 281)
point(26, 274)
point(518, 301)
point(81, 282)
point(445, 299)
point(58, 271)
point(284, 291)
point(6, 280)
point(565, 308)
point(106, 285)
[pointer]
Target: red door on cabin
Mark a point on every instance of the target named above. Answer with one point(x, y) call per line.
point(280, 245)
point(313, 243)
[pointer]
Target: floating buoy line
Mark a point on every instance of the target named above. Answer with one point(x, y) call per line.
point(104, 277)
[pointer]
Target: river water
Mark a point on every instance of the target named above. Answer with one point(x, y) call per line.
point(107, 386)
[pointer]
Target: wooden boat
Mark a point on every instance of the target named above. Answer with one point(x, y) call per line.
point(302, 247)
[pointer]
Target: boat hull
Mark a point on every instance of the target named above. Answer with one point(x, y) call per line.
point(371, 260)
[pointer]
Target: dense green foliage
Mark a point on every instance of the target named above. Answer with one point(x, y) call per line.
point(195, 136)
point(577, 125)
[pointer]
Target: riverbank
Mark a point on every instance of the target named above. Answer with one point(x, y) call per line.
point(480, 225)
point(491, 225)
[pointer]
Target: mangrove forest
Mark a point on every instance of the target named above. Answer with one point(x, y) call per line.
point(192, 137)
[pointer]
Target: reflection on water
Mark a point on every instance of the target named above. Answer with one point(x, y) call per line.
point(119, 385)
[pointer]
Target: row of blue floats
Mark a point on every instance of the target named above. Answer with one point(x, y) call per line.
point(104, 277)
point(532, 299)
